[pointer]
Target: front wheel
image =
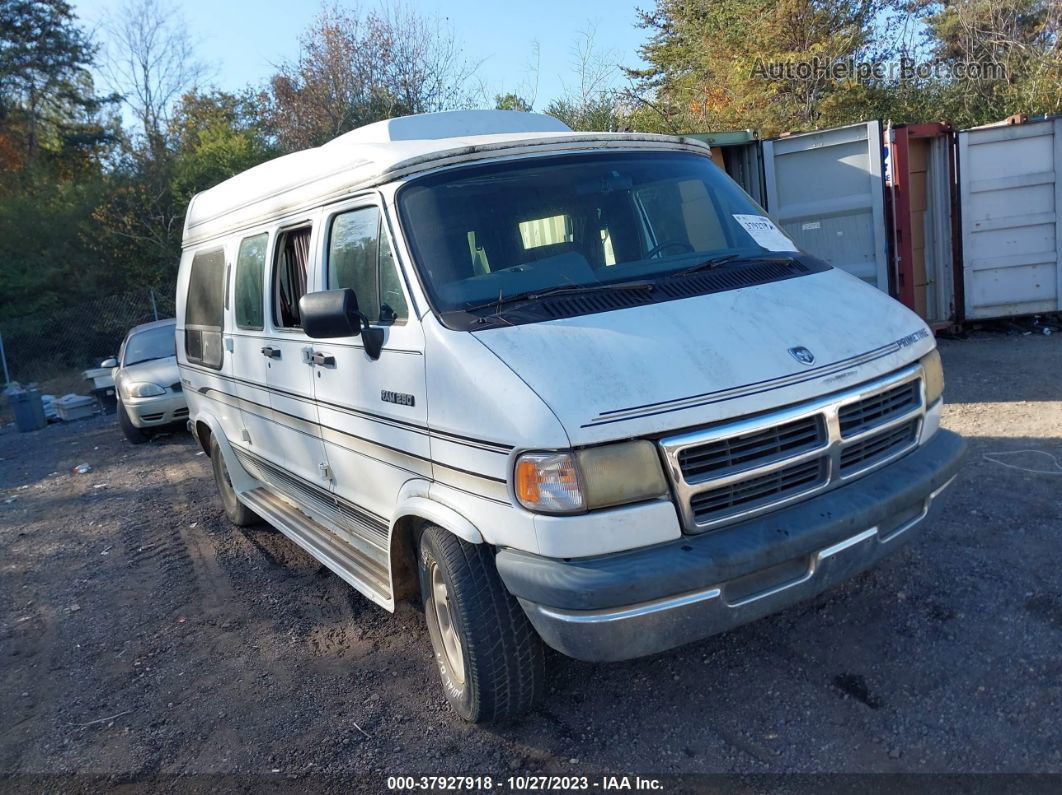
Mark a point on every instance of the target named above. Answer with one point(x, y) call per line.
point(490, 658)
point(132, 433)
point(238, 513)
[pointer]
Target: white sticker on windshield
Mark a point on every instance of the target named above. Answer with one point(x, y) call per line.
point(764, 232)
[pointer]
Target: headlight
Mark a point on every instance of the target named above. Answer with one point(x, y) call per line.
point(143, 389)
point(934, 375)
point(596, 477)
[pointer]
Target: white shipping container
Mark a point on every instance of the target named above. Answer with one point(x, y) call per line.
point(1011, 194)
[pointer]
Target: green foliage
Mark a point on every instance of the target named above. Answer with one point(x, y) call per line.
point(48, 108)
point(1014, 42)
point(215, 136)
point(511, 101)
point(708, 62)
point(599, 112)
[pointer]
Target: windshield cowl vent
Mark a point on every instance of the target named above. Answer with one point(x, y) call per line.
point(668, 288)
point(571, 306)
point(726, 278)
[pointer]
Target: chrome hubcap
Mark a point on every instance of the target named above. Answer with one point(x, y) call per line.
point(440, 600)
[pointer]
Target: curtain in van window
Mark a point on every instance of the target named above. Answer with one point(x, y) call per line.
point(294, 258)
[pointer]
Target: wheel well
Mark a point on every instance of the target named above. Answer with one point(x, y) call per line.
point(404, 539)
point(202, 433)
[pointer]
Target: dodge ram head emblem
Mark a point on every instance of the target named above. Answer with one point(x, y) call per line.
point(802, 354)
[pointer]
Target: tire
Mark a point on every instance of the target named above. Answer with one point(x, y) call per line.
point(238, 513)
point(132, 433)
point(497, 670)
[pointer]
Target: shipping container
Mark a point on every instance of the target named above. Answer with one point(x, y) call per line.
point(924, 220)
point(826, 190)
point(1011, 192)
point(738, 153)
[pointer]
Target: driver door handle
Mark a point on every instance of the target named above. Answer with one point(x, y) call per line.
point(323, 359)
point(272, 353)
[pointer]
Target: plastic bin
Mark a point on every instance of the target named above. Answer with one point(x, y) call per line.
point(28, 409)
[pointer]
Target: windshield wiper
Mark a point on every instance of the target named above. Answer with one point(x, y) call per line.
point(149, 359)
point(722, 259)
point(565, 289)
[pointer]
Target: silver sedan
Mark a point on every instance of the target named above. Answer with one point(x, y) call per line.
point(146, 380)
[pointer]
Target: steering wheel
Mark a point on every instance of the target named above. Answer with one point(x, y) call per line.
point(687, 248)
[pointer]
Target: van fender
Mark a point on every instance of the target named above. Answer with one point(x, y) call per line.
point(413, 505)
point(413, 500)
point(241, 480)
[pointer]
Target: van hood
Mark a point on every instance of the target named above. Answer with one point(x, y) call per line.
point(674, 365)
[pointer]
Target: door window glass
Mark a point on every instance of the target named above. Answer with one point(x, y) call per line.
point(357, 259)
point(250, 266)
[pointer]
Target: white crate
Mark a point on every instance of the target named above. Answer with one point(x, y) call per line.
point(75, 407)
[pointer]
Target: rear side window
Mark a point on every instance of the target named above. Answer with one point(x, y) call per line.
point(204, 308)
point(292, 263)
point(250, 267)
point(359, 257)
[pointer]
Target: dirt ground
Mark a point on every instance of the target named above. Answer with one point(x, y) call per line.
point(144, 638)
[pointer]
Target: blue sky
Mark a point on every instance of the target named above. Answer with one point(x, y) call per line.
point(242, 40)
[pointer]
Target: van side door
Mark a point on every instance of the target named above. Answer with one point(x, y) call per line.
point(285, 349)
point(373, 412)
point(251, 368)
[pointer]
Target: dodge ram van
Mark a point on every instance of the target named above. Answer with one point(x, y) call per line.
point(573, 389)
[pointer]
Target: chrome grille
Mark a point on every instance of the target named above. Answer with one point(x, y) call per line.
point(869, 413)
point(739, 469)
point(876, 446)
point(752, 449)
point(781, 483)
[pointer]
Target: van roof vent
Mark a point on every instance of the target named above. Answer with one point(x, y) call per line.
point(451, 124)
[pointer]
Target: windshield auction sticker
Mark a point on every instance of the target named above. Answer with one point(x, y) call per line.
point(764, 232)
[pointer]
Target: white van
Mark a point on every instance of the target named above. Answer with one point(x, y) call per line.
point(562, 387)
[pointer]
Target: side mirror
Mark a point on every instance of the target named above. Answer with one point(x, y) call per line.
point(334, 313)
point(111, 362)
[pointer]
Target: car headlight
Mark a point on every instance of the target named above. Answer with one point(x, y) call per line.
point(142, 389)
point(934, 376)
point(597, 477)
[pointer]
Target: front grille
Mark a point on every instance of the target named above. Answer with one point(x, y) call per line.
point(180, 412)
point(732, 471)
point(877, 447)
point(870, 412)
point(745, 495)
point(152, 417)
point(749, 450)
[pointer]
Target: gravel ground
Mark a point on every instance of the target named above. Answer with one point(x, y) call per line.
point(141, 636)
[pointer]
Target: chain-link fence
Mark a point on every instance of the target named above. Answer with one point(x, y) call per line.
point(40, 347)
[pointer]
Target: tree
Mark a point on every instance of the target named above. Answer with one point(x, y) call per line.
point(216, 135)
point(592, 102)
point(355, 68)
point(708, 60)
point(47, 100)
point(511, 101)
point(151, 62)
point(1010, 51)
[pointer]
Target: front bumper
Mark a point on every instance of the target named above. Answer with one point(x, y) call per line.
point(154, 411)
point(631, 604)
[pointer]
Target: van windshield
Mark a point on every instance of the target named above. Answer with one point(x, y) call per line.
point(489, 238)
